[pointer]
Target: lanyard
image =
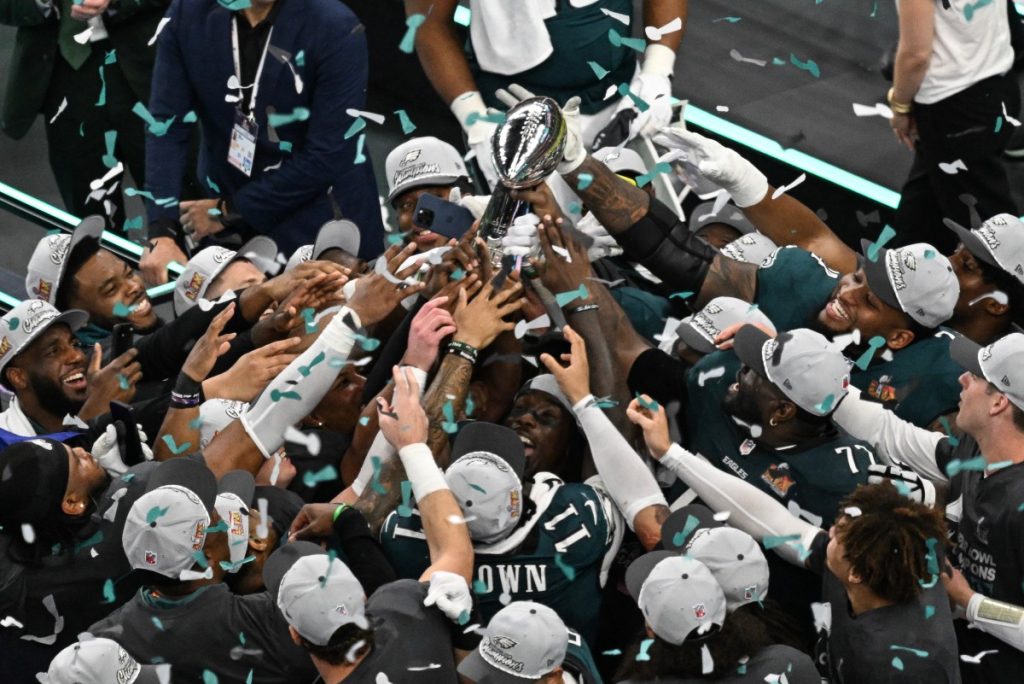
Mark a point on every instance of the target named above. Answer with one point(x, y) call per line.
point(238, 66)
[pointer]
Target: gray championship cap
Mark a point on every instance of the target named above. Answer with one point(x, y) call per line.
point(523, 642)
point(217, 414)
point(733, 556)
point(101, 661)
point(678, 595)
point(752, 248)
point(546, 383)
point(166, 527)
point(27, 321)
point(998, 242)
point(422, 161)
point(621, 160)
point(699, 331)
point(338, 234)
point(1001, 363)
point(915, 279)
point(486, 478)
point(49, 260)
point(235, 492)
point(704, 214)
point(803, 364)
point(203, 268)
point(317, 594)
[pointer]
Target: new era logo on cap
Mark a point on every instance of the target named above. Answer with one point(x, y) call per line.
point(523, 642)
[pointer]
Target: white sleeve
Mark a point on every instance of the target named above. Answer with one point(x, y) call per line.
point(895, 440)
point(750, 509)
point(1002, 620)
point(628, 481)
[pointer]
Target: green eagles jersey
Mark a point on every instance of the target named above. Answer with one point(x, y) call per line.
point(557, 555)
point(579, 662)
point(918, 383)
point(814, 476)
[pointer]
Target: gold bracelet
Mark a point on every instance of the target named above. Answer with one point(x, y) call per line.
point(898, 107)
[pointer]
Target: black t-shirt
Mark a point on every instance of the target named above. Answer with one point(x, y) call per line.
point(212, 629)
point(904, 642)
point(987, 526)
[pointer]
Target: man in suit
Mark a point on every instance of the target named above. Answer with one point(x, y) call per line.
point(84, 67)
point(270, 84)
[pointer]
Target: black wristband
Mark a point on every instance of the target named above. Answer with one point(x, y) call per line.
point(187, 393)
point(466, 351)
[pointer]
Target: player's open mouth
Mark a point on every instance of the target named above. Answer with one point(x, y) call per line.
point(74, 380)
point(835, 309)
point(528, 446)
point(142, 307)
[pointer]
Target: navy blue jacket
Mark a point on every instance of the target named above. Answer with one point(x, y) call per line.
point(287, 195)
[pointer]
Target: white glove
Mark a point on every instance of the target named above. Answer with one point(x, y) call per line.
point(721, 165)
point(603, 245)
point(910, 484)
point(108, 455)
point(450, 593)
point(521, 238)
point(470, 107)
point(652, 84)
point(476, 204)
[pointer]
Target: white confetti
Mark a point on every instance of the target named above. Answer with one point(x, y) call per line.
point(190, 575)
point(786, 188)
point(382, 679)
point(98, 183)
point(307, 439)
point(721, 108)
point(707, 663)
point(523, 327)
point(853, 511)
point(655, 33)
point(261, 530)
point(997, 295)
point(83, 37)
point(422, 668)
point(372, 116)
point(735, 54)
point(795, 509)
point(58, 623)
point(60, 108)
point(872, 110)
point(611, 92)
point(9, 621)
point(976, 658)
point(722, 516)
point(28, 533)
point(1009, 119)
point(459, 520)
point(618, 16)
point(953, 167)
point(822, 613)
point(159, 28)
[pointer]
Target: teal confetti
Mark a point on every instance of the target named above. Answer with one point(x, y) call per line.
point(584, 181)
point(367, 343)
point(929, 611)
point(123, 311)
point(929, 254)
point(916, 651)
point(874, 9)
point(156, 623)
point(13, 323)
point(308, 315)
point(731, 20)
point(228, 566)
point(109, 139)
point(969, 11)
point(412, 23)
point(403, 118)
point(448, 424)
point(91, 541)
point(134, 223)
point(358, 125)
point(659, 168)
point(200, 559)
point(208, 676)
point(599, 70)
point(999, 124)
point(479, 587)
point(464, 617)
point(932, 557)
point(221, 526)
point(241, 638)
point(651, 405)
point(956, 465)
point(157, 128)
point(567, 570)
point(300, 58)
point(396, 238)
point(681, 295)
point(478, 488)
point(375, 483)
point(771, 542)
point(640, 103)
point(364, 421)
point(809, 66)
point(470, 406)
point(874, 344)
point(175, 448)
point(279, 120)
point(213, 186)
point(404, 509)
point(110, 57)
point(326, 474)
point(575, 208)
point(102, 99)
point(81, 130)
point(123, 382)
point(645, 645)
point(887, 234)
point(563, 298)
point(195, 424)
point(235, 5)
point(617, 40)
point(606, 403)
point(612, 652)
point(490, 117)
point(778, 62)
point(679, 538)
point(155, 513)
point(337, 362)
point(277, 395)
point(128, 477)
point(826, 405)
point(284, 146)
point(190, 117)
point(213, 211)
point(458, 274)
point(360, 157)
point(108, 591)
point(897, 663)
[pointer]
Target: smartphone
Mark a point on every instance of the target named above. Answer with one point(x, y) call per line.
point(441, 216)
point(123, 338)
point(128, 441)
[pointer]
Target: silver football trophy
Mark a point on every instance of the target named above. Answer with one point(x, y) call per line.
point(526, 149)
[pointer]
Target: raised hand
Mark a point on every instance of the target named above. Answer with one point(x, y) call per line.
point(480, 321)
point(651, 418)
point(253, 371)
point(378, 293)
point(430, 325)
point(573, 379)
point(403, 420)
point(114, 382)
point(211, 345)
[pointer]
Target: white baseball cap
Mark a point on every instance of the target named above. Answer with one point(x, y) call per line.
point(621, 160)
point(523, 641)
point(215, 415)
point(338, 234)
point(915, 279)
point(802, 363)
point(235, 492)
point(1001, 363)
point(101, 661)
point(679, 597)
point(998, 241)
point(49, 260)
point(704, 214)
point(208, 263)
point(486, 478)
point(27, 321)
point(317, 594)
point(699, 330)
point(422, 161)
point(546, 383)
point(752, 248)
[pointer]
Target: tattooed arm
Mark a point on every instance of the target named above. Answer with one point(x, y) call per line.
point(616, 203)
point(728, 277)
point(451, 384)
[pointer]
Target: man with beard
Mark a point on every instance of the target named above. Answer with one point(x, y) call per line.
point(44, 365)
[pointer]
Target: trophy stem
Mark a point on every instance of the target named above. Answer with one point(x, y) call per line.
point(501, 210)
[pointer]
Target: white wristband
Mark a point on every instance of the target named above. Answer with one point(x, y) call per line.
point(338, 336)
point(659, 60)
point(465, 104)
point(422, 471)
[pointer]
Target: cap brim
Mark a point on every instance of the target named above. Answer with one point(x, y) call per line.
point(877, 276)
point(263, 249)
point(748, 343)
point(89, 227)
point(703, 215)
point(965, 352)
point(693, 339)
point(342, 234)
point(676, 524)
point(972, 242)
point(280, 562)
point(638, 570)
point(480, 671)
point(241, 483)
point(422, 182)
point(188, 473)
point(493, 439)
point(150, 674)
point(73, 318)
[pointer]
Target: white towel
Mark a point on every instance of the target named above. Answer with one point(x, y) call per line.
point(509, 36)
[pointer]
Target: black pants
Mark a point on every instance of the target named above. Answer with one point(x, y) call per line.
point(77, 139)
point(968, 126)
